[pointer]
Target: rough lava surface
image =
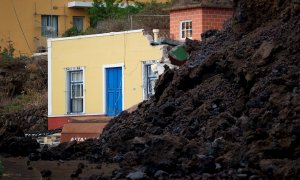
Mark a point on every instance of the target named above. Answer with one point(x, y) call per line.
point(233, 111)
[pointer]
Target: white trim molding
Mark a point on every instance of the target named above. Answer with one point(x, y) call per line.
point(96, 35)
point(145, 76)
point(49, 47)
point(180, 29)
point(74, 115)
point(104, 67)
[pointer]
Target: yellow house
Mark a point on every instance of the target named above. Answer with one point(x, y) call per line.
point(98, 75)
point(28, 23)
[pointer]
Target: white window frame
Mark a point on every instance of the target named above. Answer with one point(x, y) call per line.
point(74, 83)
point(49, 47)
point(69, 70)
point(104, 67)
point(181, 30)
point(145, 77)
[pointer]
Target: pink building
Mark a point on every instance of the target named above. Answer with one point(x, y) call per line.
point(191, 18)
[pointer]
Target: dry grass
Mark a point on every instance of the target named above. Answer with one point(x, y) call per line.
point(36, 99)
point(23, 85)
point(148, 23)
point(5, 92)
point(32, 67)
point(23, 101)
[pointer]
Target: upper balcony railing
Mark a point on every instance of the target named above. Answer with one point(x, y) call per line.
point(80, 4)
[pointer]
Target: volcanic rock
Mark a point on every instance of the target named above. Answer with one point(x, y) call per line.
point(231, 112)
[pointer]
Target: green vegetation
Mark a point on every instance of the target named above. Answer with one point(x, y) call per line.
point(141, 19)
point(145, 19)
point(109, 16)
point(110, 9)
point(7, 53)
point(73, 31)
point(155, 8)
point(24, 101)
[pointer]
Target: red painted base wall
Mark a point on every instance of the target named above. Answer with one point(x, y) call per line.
point(78, 137)
point(58, 122)
point(81, 131)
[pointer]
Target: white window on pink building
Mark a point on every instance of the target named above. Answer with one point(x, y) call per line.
point(186, 29)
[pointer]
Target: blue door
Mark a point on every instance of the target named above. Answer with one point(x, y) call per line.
point(113, 91)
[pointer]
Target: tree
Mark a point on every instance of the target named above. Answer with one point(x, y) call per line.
point(110, 9)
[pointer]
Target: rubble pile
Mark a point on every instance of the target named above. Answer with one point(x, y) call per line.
point(31, 120)
point(14, 142)
point(68, 151)
point(232, 111)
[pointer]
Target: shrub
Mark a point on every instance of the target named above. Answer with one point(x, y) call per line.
point(110, 9)
point(73, 31)
point(7, 53)
point(141, 19)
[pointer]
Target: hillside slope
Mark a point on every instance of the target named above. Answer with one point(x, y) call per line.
point(23, 93)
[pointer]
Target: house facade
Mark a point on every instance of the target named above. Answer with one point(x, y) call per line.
point(98, 75)
point(28, 23)
point(189, 19)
